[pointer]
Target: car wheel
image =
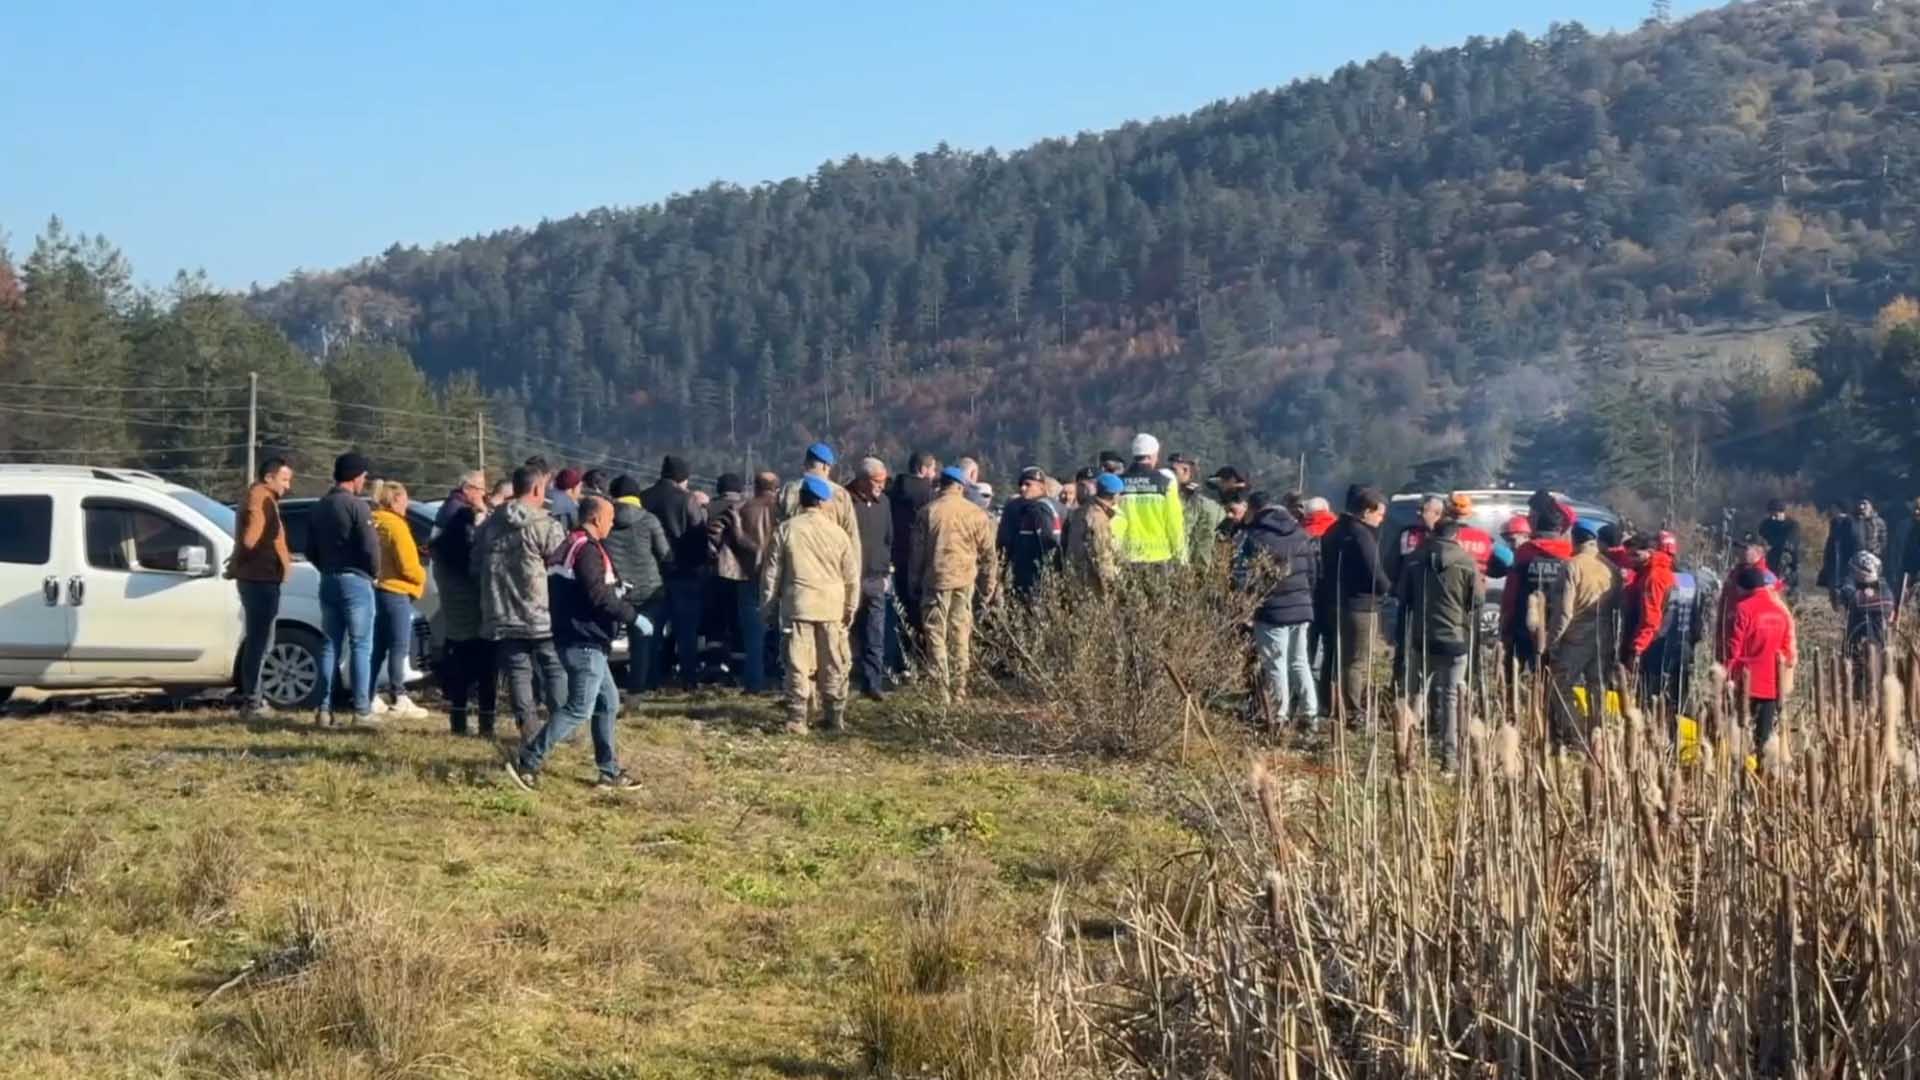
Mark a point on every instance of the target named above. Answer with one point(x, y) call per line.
point(290, 676)
point(5, 693)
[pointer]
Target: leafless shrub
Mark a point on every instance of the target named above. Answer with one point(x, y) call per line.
point(1114, 670)
point(46, 877)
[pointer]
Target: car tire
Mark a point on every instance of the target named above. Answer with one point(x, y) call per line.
point(5, 693)
point(290, 676)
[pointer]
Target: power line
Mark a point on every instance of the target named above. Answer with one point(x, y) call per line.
point(97, 417)
point(134, 453)
point(102, 388)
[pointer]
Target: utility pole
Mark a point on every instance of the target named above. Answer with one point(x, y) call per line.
point(480, 434)
point(1302, 489)
point(253, 423)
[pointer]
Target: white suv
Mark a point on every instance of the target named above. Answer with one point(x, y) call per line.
point(111, 578)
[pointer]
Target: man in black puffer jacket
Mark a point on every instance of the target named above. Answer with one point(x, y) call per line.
point(639, 550)
point(1280, 626)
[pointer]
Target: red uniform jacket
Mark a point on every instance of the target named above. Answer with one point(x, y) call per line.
point(1645, 604)
point(1318, 522)
point(1760, 641)
point(1477, 544)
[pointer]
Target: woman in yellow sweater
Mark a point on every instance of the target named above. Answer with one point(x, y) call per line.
point(402, 580)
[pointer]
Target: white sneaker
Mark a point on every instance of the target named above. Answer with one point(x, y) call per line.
point(380, 706)
point(405, 709)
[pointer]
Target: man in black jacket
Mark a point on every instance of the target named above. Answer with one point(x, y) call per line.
point(640, 552)
point(1782, 535)
point(1272, 535)
point(588, 613)
point(1352, 585)
point(341, 544)
point(1029, 532)
point(874, 515)
point(685, 521)
point(467, 669)
point(911, 492)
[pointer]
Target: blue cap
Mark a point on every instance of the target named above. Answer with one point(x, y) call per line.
point(1110, 484)
point(954, 473)
point(821, 453)
point(819, 487)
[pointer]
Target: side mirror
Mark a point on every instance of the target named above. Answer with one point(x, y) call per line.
point(193, 562)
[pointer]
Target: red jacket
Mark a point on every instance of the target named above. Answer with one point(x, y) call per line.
point(1728, 597)
point(1760, 641)
point(1645, 604)
point(1478, 544)
point(1318, 522)
point(1623, 559)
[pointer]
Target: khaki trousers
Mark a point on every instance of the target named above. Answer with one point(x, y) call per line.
point(948, 623)
point(816, 654)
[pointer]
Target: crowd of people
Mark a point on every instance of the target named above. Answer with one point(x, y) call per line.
point(545, 576)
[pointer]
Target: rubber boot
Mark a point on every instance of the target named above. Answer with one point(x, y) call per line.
point(834, 720)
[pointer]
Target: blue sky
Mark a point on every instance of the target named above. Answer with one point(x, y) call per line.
point(248, 139)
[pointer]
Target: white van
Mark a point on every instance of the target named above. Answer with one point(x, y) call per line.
point(110, 578)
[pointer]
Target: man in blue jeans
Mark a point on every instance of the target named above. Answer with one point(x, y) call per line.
point(341, 544)
point(588, 613)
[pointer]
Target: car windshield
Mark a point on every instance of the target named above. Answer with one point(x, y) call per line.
point(212, 509)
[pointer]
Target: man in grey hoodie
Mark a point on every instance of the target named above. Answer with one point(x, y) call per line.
point(510, 556)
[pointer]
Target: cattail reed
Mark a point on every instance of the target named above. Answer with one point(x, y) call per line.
point(1651, 918)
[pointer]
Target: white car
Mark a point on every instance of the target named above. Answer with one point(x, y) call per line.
point(110, 578)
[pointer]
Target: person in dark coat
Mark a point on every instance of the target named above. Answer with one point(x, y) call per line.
point(640, 552)
point(1782, 535)
point(1029, 533)
point(1280, 625)
point(1902, 565)
point(1440, 594)
point(1353, 583)
point(468, 673)
point(685, 520)
point(909, 494)
point(873, 513)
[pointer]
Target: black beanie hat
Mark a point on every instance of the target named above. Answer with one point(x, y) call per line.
point(624, 486)
point(349, 465)
point(675, 469)
point(730, 484)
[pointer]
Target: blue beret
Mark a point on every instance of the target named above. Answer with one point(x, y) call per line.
point(821, 453)
point(820, 488)
point(1110, 484)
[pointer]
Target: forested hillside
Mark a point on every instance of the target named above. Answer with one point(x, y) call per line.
point(1481, 262)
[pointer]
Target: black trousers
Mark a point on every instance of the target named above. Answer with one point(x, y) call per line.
point(469, 676)
point(870, 634)
point(1766, 714)
point(534, 676)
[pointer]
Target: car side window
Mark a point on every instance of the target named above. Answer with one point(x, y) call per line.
point(26, 529)
point(126, 537)
point(294, 520)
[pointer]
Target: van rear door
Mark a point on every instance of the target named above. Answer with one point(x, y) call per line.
point(36, 624)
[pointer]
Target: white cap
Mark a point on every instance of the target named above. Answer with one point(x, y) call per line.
point(1145, 445)
point(1316, 505)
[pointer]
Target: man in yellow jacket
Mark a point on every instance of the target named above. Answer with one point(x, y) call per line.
point(810, 587)
point(953, 553)
point(1155, 529)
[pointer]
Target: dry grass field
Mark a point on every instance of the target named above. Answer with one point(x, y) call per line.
point(185, 895)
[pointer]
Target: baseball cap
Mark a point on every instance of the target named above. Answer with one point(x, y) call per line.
point(1110, 484)
point(1032, 474)
point(817, 487)
point(1145, 445)
point(1227, 474)
point(821, 453)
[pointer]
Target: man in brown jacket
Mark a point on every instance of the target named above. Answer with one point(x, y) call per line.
point(952, 552)
point(260, 564)
point(1580, 636)
point(740, 534)
point(811, 588)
